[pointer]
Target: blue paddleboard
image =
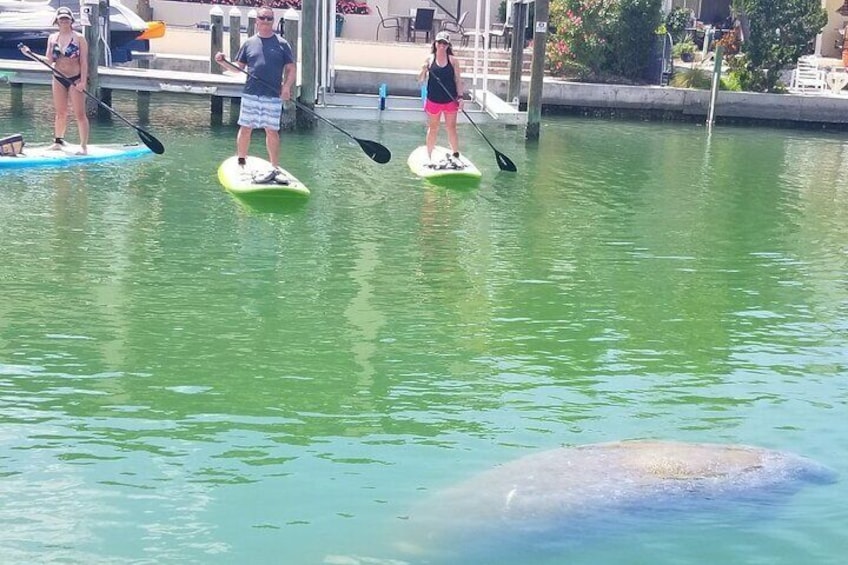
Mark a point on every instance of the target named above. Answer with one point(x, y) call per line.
point(43, 156)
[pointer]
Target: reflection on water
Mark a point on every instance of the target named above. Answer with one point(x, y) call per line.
point(185, 379)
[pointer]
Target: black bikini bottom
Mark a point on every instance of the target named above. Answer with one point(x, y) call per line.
point(67, 82)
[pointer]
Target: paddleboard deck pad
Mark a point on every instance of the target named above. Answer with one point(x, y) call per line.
point(46, 156)
point(441, 165)
point(257, 178)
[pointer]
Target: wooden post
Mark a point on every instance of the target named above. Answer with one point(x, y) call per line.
point(516, 60)
point(537, 71)
point(105, 60)
point(291, 117)
point(251, 22)
point(90, 19)
point(17, 89)
point(216, 17)
point(235, 44)
point(144, 11)
point(308, 60)
point(235, 32)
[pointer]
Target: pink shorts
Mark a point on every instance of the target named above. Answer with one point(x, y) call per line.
point(434, 108)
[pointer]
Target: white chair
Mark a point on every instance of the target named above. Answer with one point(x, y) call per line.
point(808, 77)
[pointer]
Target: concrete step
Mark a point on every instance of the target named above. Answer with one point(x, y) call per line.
point(499, 60)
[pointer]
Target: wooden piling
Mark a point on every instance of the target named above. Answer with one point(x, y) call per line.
point(235, 44)
point(308, 62)
point(143, 9)
point(516, 61)
point(289, 120)
point(537, 71)
point(251, 22)
point(216, 18)
point(17, 92)
point(91, 15)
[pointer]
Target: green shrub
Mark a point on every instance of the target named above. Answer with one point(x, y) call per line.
point(675, 23)
point(691, 78)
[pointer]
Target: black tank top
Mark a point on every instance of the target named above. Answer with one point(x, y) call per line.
point(435, 91)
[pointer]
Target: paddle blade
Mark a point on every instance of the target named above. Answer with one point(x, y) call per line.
point(154, 144)
point(375, 151)
point(504, 162)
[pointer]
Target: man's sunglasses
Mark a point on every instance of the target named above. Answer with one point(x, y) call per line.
point(266, 18)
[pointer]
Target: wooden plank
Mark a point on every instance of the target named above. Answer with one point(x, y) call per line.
point(145, 80)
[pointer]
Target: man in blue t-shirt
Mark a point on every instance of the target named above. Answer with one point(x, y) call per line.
point(267, 58)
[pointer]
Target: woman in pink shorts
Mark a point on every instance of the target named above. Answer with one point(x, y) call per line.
point(444, 92)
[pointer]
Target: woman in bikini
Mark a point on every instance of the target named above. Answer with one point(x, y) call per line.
point(444, 92)
point(67, 51)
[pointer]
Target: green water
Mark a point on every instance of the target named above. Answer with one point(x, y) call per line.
point(185, 380)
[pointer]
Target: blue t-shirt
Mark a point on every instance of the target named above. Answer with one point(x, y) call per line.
point(265, 57)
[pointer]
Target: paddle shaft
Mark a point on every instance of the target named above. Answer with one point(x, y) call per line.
point(154, 144)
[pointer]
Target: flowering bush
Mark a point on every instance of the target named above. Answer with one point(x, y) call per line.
point(352, 7)
point(579, 45)
point(342, 6)
point(602, 39)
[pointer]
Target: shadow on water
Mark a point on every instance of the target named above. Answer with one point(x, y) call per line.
point(458, 184)
point(283, 204)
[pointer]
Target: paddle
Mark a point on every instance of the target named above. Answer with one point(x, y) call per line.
point(504, 162)
point(374, 150)
point(146, 137)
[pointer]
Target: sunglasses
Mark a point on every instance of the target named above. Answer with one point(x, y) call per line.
point(442, 42)
point(265, 18)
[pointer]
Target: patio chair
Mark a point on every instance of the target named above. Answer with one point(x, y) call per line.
point(388, 23)
point(501, 32)
point(423, 23)
point(455, 27)
point(808, 77)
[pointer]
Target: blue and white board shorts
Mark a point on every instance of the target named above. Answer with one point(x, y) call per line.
point(260, 112)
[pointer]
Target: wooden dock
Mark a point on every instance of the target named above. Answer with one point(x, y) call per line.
point(138, 80)
point(486, 108)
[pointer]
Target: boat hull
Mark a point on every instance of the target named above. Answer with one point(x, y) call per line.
point(33, 25)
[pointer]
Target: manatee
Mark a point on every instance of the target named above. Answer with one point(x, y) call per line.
point(563, 496)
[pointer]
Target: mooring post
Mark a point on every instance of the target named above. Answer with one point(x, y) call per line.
point(308, 61)
point(537, 71)
point(105, 58)
point(90, 18)
point(17, 89)
point(143, 9)
point(291, 20)
point(216, 17)
point(251, 22)
point(235, 32)
point(516, 60)
point(235, 44)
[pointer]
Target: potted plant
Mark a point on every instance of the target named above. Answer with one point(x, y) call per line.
point(685, 51)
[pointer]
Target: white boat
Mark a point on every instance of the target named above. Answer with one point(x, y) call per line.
point(31, 21)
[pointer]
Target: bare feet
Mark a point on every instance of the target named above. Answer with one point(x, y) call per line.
point(81, 151)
